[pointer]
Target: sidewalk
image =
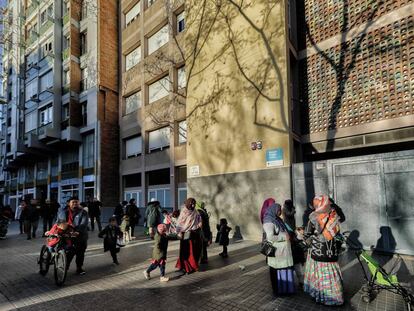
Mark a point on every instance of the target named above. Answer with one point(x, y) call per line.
point(240, 282)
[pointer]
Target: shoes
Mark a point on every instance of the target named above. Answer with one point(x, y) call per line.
point(221, 254)
point(80, 271)
point(147, 275)
point(164, 279)
point(224, 255)
point(116, 263)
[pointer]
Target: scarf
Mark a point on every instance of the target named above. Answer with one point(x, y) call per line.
point(189, 219)
point(325, 218)
point(271, 216)
point(266, 204)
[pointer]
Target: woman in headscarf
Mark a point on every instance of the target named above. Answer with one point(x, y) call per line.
point(323, 278)
point(281, 265)
point(189, 230)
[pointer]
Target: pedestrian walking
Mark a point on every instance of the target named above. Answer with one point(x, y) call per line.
point(323, 277)
point(298, 252)
point(78, 219)
point(119, 211)
point(18, 215)
point(207, 236)
point(31, 218)
point(159, 253)
point(48, 211)
point(281, 264)
point(132, 211)
point(111, 233)
point(223, 231)
point(94, 211)
point(153, 216)
point(189, 231)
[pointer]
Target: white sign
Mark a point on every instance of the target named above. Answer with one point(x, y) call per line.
point(194, 170)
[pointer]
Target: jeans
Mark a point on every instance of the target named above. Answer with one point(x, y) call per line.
point(154, 266)
point(98, 221)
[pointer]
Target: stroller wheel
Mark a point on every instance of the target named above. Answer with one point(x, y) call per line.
point(366, 298)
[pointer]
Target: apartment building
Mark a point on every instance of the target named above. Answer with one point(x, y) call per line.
point(152, 103)
point(62, 107)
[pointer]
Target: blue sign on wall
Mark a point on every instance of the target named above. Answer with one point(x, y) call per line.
point(274, 157)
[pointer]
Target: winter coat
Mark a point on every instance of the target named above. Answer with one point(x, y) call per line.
point(110, 234)
point(153, 214)
point(94, 208)
point(223, 235)
point(160, 247)
point(133, 212)
point(30, 213)
point(119, 211)
point(205, 220)
point(280, 240)
point(79, 221)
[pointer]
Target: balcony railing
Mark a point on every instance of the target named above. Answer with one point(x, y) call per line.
point(65, 54)
point(65, 19)
point(32, 8)
point(43, 128)
point(27, 135)
point(45, 27)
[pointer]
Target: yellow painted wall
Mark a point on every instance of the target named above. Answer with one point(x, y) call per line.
point(223, 110)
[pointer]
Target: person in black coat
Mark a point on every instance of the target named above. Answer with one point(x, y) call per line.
point(31, 218)
point(111, 233)
point(94, 211)
point(223, 236)
point(205, 229)
point(134, 215)
point(119, 211)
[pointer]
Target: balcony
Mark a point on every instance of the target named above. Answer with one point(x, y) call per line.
point(48, 132)
point(46, 26)
point(65, 19)
point(32, 39)
point(30, 10)
point(65, 54)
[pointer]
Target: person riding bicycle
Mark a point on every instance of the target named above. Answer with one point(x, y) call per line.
point(60, 230)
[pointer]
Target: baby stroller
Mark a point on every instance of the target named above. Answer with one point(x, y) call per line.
point(377, 278)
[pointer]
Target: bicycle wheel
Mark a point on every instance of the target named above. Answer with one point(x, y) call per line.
point(60, 267)
point(44, 260)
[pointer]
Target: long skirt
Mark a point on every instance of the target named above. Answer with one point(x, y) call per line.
point(283, 281)
point(323, 281)
point(190, 251)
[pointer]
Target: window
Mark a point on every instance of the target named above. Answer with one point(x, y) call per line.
point(31, 59)
point(84, 113)
point(30, 121)
point(158, 89)
point(128, 195)
point(133, 13)
point(50, 11)
point(182, 196)
point(161, 195)
point(181, 78)
point(46, 81)
point(182, 132)
point(84, 79)
point(158, 39)
point(43, 17)
point(66, 42)
point(132, 58)
point(133, 147)
point(88, 145)
point(31, 89)
point(159, 139)
point(84, 42)
point(46, 49)
point(150, 2)
point(46, 116)
point(181, 22)
point(65, 112)
point(66, 77)
point(132, 102)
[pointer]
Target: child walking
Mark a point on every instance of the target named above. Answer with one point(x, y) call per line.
point(159, 253)
point(223, 236)
point(111, 233)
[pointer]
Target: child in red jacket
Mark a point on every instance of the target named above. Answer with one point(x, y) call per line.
point(61, 229)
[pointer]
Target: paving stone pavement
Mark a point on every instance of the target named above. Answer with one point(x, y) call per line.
point(240, 282)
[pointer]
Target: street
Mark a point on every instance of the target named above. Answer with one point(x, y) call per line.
point(240, 282)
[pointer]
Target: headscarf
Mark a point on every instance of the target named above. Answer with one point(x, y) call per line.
point(266, 204)
point(189, 218)
point(272, 216)
point(325, 218)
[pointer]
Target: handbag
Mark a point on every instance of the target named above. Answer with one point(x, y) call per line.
point(120, 243)
point(268, 249)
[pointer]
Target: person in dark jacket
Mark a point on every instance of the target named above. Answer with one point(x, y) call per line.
point(159, 253)
point(119, 211)
point(94, 211)
point(111, 233)
point(223, 236)
point(77, 218)
point(207, 236)
point(31, 218)
point(134, 215)
point(49, 212)
point(153, 216)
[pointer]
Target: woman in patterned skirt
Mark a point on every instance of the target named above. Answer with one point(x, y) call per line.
point(323, 278)
point(281, 265)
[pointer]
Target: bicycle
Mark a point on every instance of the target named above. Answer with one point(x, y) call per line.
point(56, 256)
